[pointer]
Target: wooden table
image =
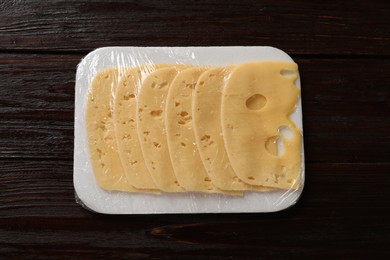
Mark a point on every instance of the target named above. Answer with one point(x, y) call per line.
point(343, 50)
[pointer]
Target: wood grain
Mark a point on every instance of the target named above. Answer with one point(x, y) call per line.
point(38, 216)
point(345, 104)
point(298, 27)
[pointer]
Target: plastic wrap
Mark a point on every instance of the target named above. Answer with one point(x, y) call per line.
point(188, 130)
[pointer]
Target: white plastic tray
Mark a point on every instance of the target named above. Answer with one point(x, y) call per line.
point(96, 199)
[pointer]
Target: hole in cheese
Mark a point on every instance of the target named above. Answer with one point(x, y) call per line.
point(280, 146)
point(99, 153)
point(191, 85)
point(251, 178)
point(286, 73)
point(164, 84)
point(156, 113)
point(133, 162)
point(205, 138)
point(183, 113)
point(128, 96)
point(185, 118)
point(285, 131)
point(256, 102)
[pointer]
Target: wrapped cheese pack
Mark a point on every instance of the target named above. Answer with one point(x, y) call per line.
point(188, 130)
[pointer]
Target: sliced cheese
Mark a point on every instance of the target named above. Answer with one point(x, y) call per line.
point(151, 128)
point(206, 111)
point(183, 150)
point(257, 101)
point(125, 106)
point(103, 149)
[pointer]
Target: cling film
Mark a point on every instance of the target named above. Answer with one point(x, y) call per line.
point(188, 130)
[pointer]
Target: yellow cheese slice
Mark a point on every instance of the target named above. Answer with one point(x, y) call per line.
point(257, 101)
point(103, 150)
point(151, 124)
point(206, 111)
point(125, 106)
point(183, 150)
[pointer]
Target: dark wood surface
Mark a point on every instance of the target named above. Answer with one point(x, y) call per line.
point(343, 50)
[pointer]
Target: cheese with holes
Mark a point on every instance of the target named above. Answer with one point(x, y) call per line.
point(206, 111)
point(125, 105)
point(102, 146)
point(176, 128)
point(151, 125)
point(183, 151)
point(257, 101)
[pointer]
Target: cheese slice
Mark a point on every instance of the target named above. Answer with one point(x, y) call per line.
point(206, 111)
point(183, 150)
point(151, 125)
point(103, 149)
point(257, 101)
point(125, 106)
